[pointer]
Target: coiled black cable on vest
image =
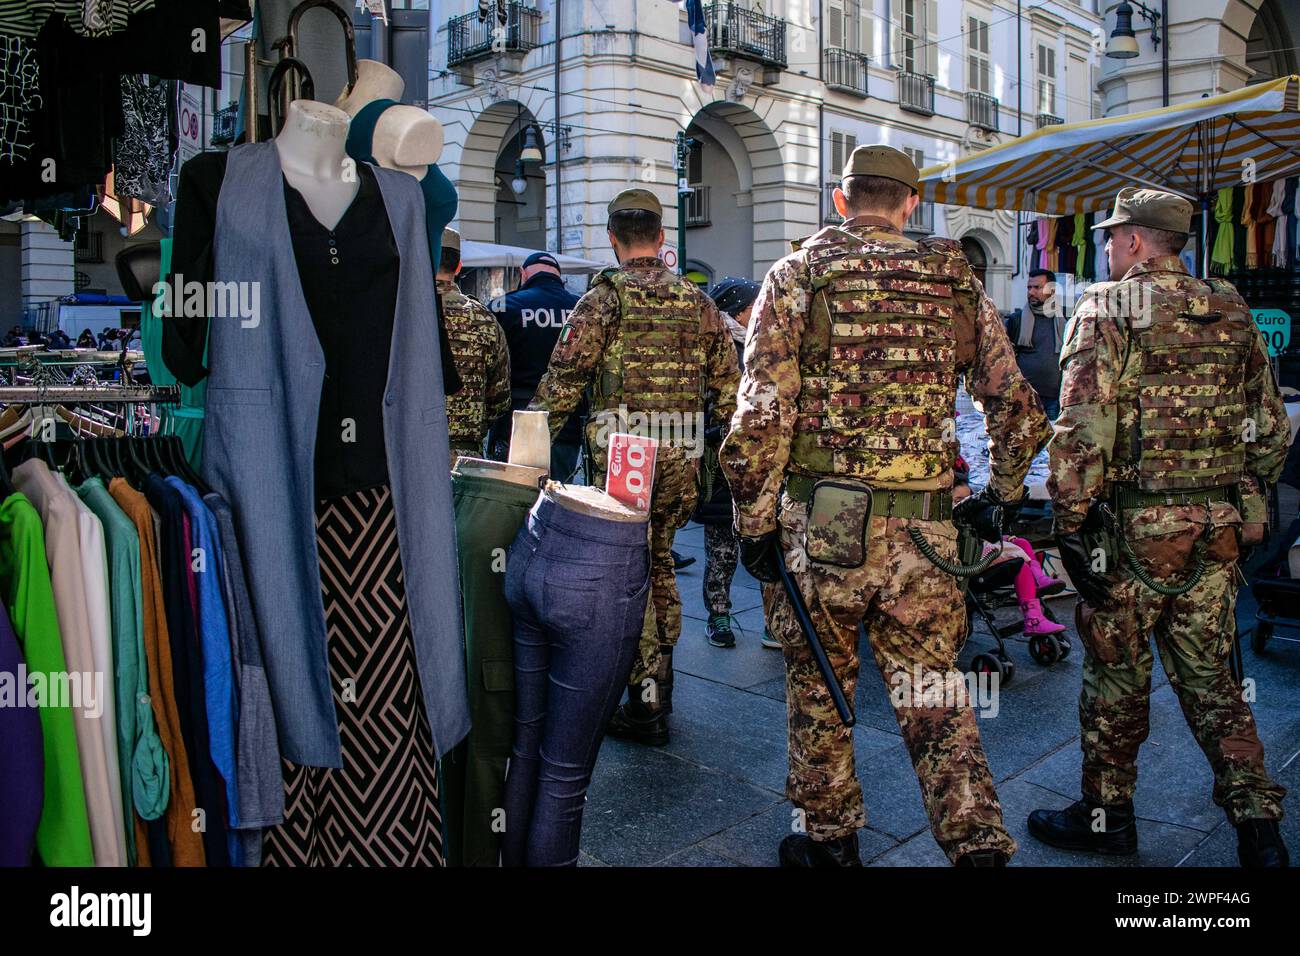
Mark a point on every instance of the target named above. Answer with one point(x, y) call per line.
point(956, 569)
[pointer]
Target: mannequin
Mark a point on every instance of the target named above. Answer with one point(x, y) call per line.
point(406, 137)
point(592, 501)
point(312, 152)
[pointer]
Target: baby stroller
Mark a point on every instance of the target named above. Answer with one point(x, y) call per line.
point(1277, 593)
point(987, 594)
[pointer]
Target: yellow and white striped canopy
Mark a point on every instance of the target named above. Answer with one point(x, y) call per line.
point(1195, 149)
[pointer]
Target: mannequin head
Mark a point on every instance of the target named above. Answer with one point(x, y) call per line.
point(375, 81)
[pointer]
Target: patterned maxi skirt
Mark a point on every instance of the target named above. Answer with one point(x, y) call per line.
point(381, 807)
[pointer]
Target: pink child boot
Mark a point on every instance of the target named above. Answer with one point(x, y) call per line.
point(1044, 583)
point(1036, 621)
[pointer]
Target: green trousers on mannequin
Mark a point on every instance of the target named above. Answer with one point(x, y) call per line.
point(489, 513)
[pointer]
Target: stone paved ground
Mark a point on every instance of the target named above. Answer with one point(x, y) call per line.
point(715, 795)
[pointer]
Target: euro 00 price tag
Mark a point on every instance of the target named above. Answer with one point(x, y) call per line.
point(631, 474)
point(1275, 326)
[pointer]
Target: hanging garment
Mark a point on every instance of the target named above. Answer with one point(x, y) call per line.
point(1064, 244)
point(141, 756)
point(1264, 225)
point(1277, 209)
point(63, 832)
point(1046, 233)
point(176, 552)
point(1291, 203)
point(92, 18)
point(1221, 257)
point(22, 765)
point(1101, 261)
point(380, 807)
point(1251, 257)
point(145, 152)
point(172, 840)
point(207, 573)
point(1081, 241)
point(20, 97)
point(264, 396)
point(62, 521)
point(260, 783)
point(94, 570)
point(489, 514)
point(577, 587)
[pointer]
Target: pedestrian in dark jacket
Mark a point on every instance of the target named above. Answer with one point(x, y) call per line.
point(531, 318)
point(735, 300)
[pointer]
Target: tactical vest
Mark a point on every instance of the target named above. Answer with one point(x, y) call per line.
point(1193, 342)
point(656, 365)
point(469, 343)
point(878, 360)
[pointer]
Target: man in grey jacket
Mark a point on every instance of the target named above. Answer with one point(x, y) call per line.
point(1037, 336)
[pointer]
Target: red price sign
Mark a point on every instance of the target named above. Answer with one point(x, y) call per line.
point(631, 470)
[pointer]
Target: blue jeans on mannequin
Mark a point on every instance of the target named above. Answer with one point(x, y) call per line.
point(577, 586)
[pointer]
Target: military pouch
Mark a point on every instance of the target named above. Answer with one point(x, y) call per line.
point(970, 546)
point(1099, 531)
point(839, 523)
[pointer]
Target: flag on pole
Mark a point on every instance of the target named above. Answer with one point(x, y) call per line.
point(700, 30)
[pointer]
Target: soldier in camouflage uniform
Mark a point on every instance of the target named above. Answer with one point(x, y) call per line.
point(1170, 416)
point(478, 347)
point(850, 374)
point(646, 342)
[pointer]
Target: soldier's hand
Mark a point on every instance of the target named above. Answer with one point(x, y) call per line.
point(759, 556)
point(1092, 587)
point(982, 512)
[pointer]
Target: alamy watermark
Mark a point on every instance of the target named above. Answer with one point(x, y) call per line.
point(213, 300)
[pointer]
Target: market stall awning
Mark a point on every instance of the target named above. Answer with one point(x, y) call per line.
point(1196, 148)
point(481, 255)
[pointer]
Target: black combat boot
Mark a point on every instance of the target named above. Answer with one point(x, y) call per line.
point(639, 722)
point(801, 850)
point(1259, 845)
point(664, 678)
point(982, 858)
point(1073, 828)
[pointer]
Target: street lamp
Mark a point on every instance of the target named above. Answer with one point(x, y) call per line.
point(1123, 44)
point(531, 153)
point(520, 183)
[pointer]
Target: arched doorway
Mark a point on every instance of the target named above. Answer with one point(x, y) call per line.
point(1269, 49)
point(977, 257)
point(501, 199)
point(736, 205)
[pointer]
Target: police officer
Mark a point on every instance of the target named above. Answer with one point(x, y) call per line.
point(532, 317)
point(1170, 423)
point(847, 401)
point(478, 347)
point(646, 341)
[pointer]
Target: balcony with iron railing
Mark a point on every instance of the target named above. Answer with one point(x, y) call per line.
point(1050, 119)
point(846, 70)
point(982, 110)
point(916, 92)
point(921, 222)
point(697, 206)
point(224, 123)
point(89, 247)
point(737, 31)
point(469, 38)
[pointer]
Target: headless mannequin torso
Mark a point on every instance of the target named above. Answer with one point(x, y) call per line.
point(312, 156)
point(406, 138)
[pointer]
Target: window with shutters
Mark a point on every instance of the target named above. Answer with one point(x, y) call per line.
point(977, 55)
point(1046, 78)
point(695, 163)
point(842, 146)
point(845, 22)
point(912, 44)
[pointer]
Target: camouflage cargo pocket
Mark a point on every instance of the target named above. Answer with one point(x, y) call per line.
point(1163, 537)
point(1225, 524)
point(839, 521)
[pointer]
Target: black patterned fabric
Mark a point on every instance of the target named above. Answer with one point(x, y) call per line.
point(145, 152)
point(381, 807)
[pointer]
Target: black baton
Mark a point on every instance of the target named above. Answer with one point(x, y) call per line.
point(819, 652)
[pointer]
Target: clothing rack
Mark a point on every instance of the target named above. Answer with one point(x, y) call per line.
point(100, 395)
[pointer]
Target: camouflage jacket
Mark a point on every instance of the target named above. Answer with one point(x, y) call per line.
point(482, 358)
point(756, 452)
point(590, 339)
point(1101, 371)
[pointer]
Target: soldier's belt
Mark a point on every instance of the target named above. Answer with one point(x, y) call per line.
point(1128, 499)
point(888, 503)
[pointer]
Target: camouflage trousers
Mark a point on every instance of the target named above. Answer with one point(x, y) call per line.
point(1193, 634)
point(721, 552)
point(914, 617)
point(671, 507)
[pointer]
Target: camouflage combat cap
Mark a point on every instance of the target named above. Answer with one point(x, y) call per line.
point(451, 239)
point(1152, 208)
point(884, 161)
point(636, 198)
